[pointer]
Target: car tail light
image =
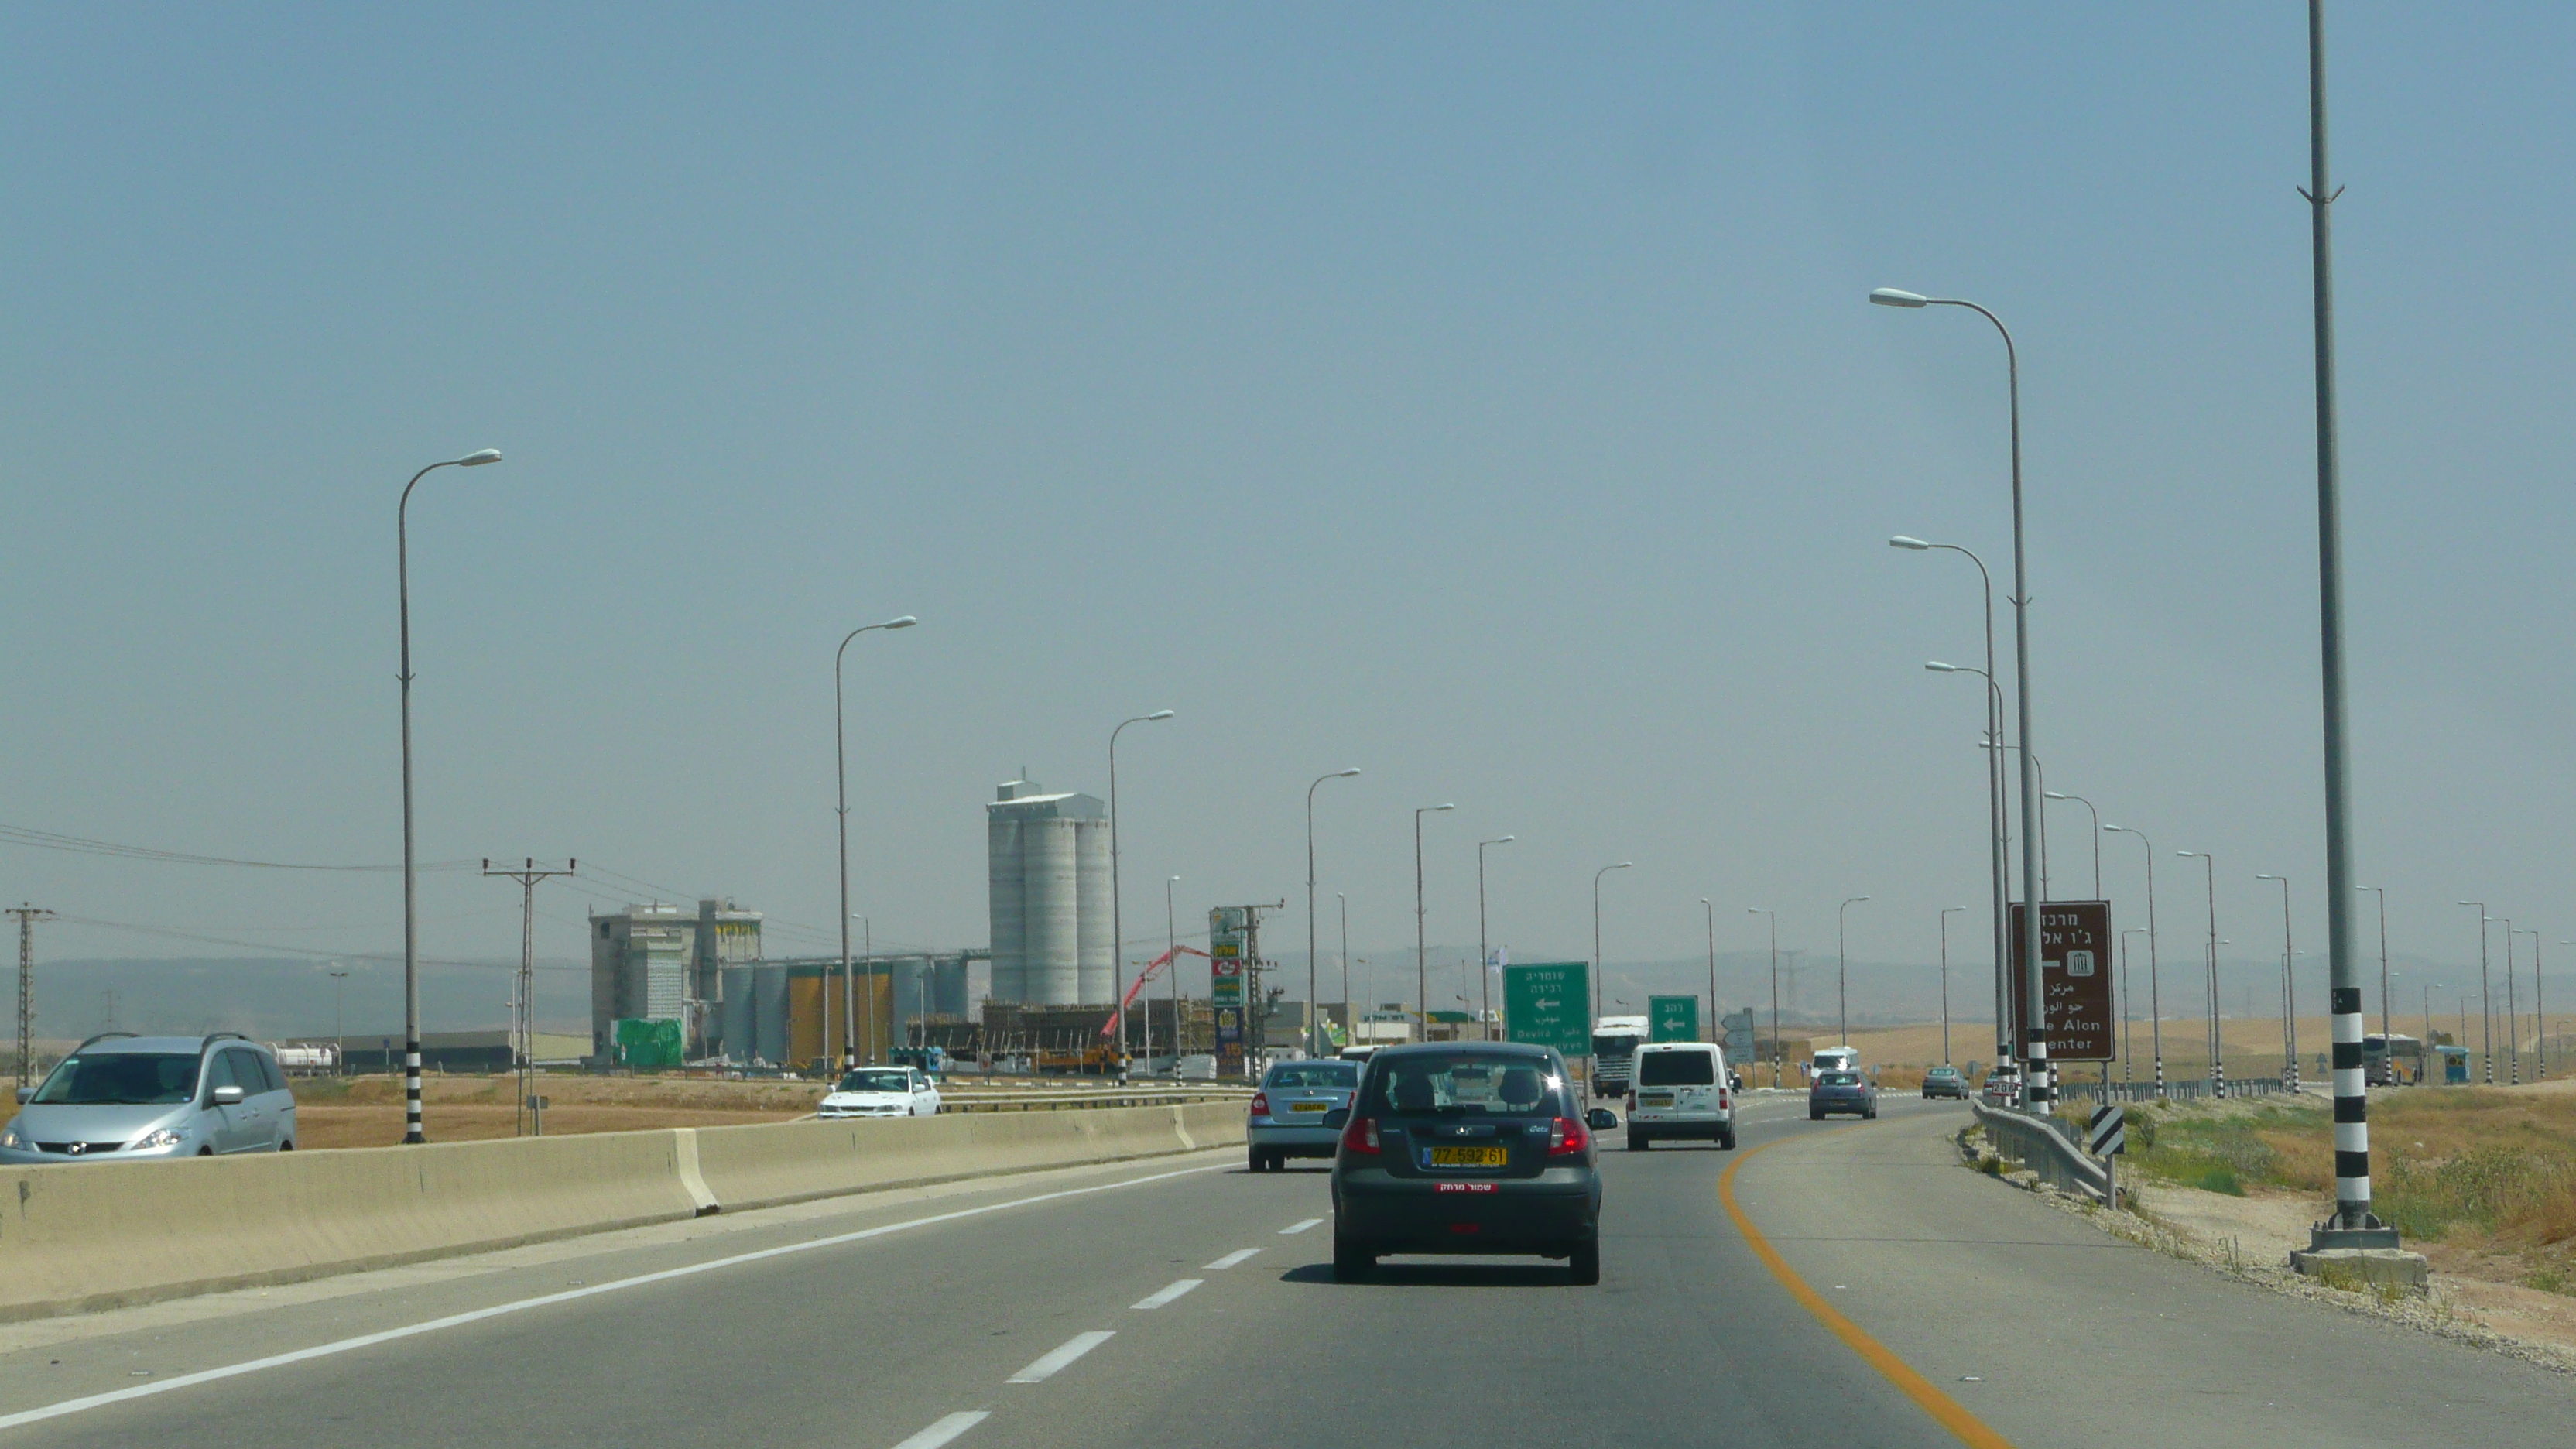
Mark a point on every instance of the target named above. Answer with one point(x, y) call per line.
point(1632, 1101)
point(1721, 1099)
point(1361, 1135)
point(1261, 1104)
point(1567, 1137)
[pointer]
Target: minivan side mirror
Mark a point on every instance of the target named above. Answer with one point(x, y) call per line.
point(1338, 1118)
point(24, 1094)
point(228, 1096)
point(1600, 1119)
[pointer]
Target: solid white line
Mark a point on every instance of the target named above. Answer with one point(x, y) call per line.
point(1165, 1295)
point(547, 1300)
point(1299, 1227)
point(1072, 1348)
point(945, 1430)
point(1229, 1260)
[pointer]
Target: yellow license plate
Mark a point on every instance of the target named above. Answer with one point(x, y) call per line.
point(1469, 1157)
point(1309, 1106)
point(1655, 1099)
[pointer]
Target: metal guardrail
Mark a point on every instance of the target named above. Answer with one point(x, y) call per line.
point(1061, 1101)
point(2194, 1090)
point(2036, 1143)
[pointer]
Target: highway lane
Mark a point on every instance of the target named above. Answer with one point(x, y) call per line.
point(1065, 1309)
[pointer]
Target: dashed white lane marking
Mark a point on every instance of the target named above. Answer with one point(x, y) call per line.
point(1073, 1348)
point(1162, 1296)
point(945, 1430)
point(544, 1300)
point(1299, 1227)
point(1229, 1260)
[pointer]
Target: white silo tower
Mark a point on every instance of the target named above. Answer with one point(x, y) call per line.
point(1097, 950)
point(1039, 896)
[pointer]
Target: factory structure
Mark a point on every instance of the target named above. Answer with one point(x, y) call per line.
point(1048, 868)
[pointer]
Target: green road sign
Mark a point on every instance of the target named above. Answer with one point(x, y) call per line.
point(1549, 1004)
point(1672, 1018)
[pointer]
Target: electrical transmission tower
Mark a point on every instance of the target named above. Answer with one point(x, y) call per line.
point(27, 916)
point(523, 1013)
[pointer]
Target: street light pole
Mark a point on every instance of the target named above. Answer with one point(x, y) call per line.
point(1172, 971)
point(2386, 1031)
point(1421, 938)
point(1946, 913)
point(2097, 835)
point(1352, 1021)
point(1117, 920)
point(2037, 1097)
point(1775, 988)
point(2512, 1010)
point(841, 776)
point(2289, 997)
point(2128, 1060)
point(2001, 927)
point(411, 894)
point(1598, 969)
point(1484, 949)
point(1711, 912)
point(2486, 1012)
point(339, 1023)
point(1842, 970)
point(1314, 1005)
point(2217, 1061)
point(2155, 995)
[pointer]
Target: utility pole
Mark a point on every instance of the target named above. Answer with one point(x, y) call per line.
point(523, 1017)
point(27, 916)
point(1946, 913)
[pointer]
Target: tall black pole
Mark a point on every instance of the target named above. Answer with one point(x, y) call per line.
point(2352, 1126)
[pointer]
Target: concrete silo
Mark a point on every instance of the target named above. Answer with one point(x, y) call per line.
point(1010, 919)
point(1097, 950)
point(1039, 897)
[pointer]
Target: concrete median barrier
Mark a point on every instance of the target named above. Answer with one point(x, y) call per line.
point(100, 1235)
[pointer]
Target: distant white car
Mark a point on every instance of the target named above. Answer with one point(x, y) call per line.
point(881, 1092)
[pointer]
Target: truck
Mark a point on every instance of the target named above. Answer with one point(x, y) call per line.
point(1614, 1046)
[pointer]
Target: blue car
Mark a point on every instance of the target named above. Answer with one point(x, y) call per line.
point(1840, 1091)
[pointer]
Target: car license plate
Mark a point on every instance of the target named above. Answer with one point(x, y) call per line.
point(1469, 1157)
point(1309, 1106)
point(1655, 1099)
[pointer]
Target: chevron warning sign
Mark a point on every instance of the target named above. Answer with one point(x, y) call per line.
point(2108, 1135)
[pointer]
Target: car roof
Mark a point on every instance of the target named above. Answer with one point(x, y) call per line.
point(1422, 1048)
point(1677, 1046)
point(117, 1045)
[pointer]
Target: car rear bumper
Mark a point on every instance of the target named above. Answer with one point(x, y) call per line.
point(1415, 1215)
point(1647, 1122)
point(1300, 1140)
point(1829, 1106)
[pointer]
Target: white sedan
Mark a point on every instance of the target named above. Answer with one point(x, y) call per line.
point(881, 1092)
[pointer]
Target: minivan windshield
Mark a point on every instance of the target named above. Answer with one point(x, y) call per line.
point(120, 1079)
point(1315, 1075)
point(1677, 1069)
point(1465, 1081)
point(877, 1080)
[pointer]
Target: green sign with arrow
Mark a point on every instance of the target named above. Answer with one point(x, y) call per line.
point(1672, 1018)
point(1549, 1004)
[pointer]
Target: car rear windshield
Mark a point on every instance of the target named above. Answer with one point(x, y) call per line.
point(876, 1081)
point(120, 1079)
point(1677, 1069)
point(1315, 1074)
point(1466, 1081)
point(1840, 1079)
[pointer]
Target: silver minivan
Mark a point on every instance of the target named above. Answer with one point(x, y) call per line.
point(119, 1097)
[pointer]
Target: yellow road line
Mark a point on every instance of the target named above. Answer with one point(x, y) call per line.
point(1945, 1411)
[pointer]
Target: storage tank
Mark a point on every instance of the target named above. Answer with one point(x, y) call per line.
point(734, 1017)
point(769, 1014)
point(948, 986)
point(1010, 916)
point(1099, 949)
point(1054, 922)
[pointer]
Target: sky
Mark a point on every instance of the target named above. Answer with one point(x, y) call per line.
point(1484, 397)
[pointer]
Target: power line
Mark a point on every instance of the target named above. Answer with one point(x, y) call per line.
point(82, 845)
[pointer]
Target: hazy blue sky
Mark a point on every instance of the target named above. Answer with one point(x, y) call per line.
point(1481, 396)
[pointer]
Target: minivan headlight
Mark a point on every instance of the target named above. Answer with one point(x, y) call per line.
point(158, 1138)
point(9, 1137)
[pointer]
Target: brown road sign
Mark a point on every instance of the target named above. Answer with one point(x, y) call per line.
point(2075, 973)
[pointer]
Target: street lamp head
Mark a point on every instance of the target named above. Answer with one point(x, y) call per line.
point(1904, 541)
point(479, 457)
point(904, 621)
point(2121, 828)
point(1159, 714)
point(2053, 794)
point(1937, 667)
point(1623, 865)
point(1891, 297)
point(2258, 875)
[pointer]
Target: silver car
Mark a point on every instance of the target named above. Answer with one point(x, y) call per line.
point(122, 1098)
point(1288, 1111)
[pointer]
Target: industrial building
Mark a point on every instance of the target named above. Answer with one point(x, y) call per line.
point(776, 1013)
point(666, 963)
point(1048, 858)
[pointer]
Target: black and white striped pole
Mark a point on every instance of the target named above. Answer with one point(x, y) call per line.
point(2353, 1226)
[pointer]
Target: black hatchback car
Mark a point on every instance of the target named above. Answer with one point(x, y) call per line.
point(1466, 1148)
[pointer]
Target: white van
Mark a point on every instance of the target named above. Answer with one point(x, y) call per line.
point(1679, 1089)
point(1833, 1059)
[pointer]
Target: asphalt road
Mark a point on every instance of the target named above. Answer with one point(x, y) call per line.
point(1185, 1300)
